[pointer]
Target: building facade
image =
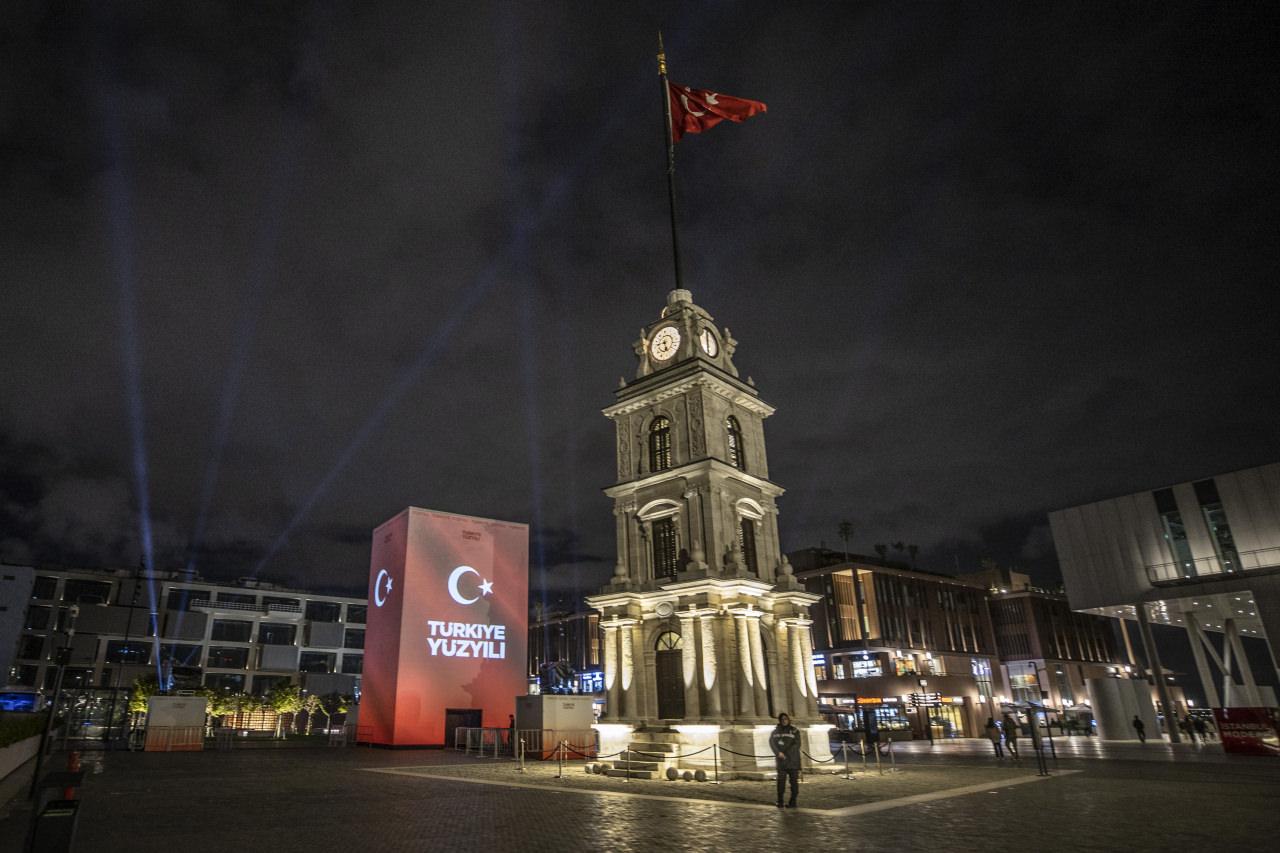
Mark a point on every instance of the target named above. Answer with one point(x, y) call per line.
point(705, 627)
point(901, 652)
point(1048, 650)
point(1202, 555)
point(243, 637)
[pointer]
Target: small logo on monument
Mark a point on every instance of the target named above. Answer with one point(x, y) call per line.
point(381, 587)
point(485, 587)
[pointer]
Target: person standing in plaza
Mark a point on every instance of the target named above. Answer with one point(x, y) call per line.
point(785, 743)
point(1140, 728)
point(993, 735)
point(1201, 728)
point(1010, 727)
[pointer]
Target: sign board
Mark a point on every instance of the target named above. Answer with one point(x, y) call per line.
point(448, 625)
point(926, 700)
point(1249, 731)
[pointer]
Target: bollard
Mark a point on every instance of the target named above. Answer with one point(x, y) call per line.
point(560, 760)
point(520, 757)
point(892, 760)
point(879, 766)
point(864, 757)
point(715, 757)
point(844, 747)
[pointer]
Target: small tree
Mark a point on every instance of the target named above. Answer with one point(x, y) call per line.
point(142, 690)
point(882, 549)
point(331, 704)
point(284, 699)
point(311, 704)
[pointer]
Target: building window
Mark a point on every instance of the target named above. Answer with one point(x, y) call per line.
point(231, 631)
point(45, 588)
point(664, 548)
point(86, 592)
point(25, 675)
point(1026, 688)
point(237, 598)
point(747, 539)
point(290, 605)
point(276, 634)
point(264, 684)
point(227, 657)
point(133, 651)
point(353, 638)
point(181, 654)
point(837, 670)
point(1215, 517)
point(179, 598)
point(737, 453)
point(315, 662)
point(31, 647)
point(38, 617)
point(358, 613)
point(225, 682)
point(668, 641)
point(323, 611)
point(353, 664)
point(659, 444)
point(1175, 532)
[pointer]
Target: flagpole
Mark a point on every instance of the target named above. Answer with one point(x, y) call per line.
point(671, 159)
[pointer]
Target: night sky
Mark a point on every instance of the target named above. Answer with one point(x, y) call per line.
point(267, 276)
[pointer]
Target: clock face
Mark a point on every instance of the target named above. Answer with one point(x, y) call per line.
point(708, 340)
point(665, 343)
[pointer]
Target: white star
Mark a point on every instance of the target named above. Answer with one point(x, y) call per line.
point(388, 583)
point(486, 588)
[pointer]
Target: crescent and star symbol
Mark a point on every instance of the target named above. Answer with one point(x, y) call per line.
point(380, 592)
point(684, 99)
point(486, 586)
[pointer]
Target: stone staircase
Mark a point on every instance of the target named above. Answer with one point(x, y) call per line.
point(643, 758)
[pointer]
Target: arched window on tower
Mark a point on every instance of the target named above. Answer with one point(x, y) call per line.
point(747, 540)
point(664, 548)
point(659, 444)
point(737, 453)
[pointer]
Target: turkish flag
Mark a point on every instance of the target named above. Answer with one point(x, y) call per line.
point(696, 110)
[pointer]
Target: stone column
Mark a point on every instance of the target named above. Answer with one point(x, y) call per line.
point(710, 675)
point(799, 683)
point(783, 689)
point(759, 664)
point(644, 699)
point(689, 665)
point(627, 671)
point(612, 681)
point(745, 679)
point(806, 661)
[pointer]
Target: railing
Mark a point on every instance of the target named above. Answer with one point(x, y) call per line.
point(206, 604)
point(1189, 571)
point(538, 743)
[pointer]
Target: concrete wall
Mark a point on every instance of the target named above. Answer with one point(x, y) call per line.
point(15, 592)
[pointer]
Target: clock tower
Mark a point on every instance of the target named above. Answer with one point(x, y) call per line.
point(704, 622)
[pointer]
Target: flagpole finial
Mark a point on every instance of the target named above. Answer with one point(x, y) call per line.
point(662, 57)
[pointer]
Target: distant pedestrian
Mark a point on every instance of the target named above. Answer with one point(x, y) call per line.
point(1201, 728)
point(1140, 729)
point(993, 735)
point(785, 743)
point(1010, 727)
point(1187, 728)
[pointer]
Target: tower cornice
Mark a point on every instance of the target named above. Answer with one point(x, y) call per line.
point(726, 470)
point(657, 387)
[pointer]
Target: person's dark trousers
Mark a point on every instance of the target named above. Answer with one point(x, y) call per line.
point(999, 752)
point(783, 776)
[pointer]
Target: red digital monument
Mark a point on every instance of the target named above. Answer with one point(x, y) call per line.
point(448, 626)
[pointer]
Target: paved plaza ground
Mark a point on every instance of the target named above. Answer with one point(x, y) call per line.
point(953, 796)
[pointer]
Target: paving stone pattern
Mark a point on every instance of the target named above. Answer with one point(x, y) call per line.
point(322, 799)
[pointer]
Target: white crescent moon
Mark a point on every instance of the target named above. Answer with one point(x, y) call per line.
point(453, 585)
point(378, 590)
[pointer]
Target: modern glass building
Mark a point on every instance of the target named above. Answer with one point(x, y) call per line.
point(1203, 555)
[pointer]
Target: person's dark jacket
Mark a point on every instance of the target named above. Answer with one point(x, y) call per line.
point(786, 740)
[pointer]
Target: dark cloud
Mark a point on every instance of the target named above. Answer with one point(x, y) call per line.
point(986, 262)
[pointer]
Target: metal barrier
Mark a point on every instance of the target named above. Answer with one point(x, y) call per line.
point(1198, 568)
point(174, 739)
